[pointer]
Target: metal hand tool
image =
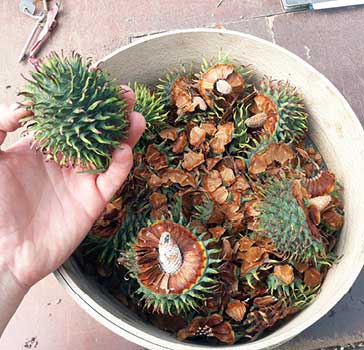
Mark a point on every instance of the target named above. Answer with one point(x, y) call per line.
point(27, 7)
point(40, 20)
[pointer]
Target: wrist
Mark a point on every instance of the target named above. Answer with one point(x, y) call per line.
point(11, 295)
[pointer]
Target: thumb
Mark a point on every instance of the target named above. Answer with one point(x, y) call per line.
point(111, 180)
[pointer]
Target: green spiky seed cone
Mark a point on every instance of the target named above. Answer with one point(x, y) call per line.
point(292, 117)
point(79, 115)
point(182, 290)
point(284, 221)
point(152, 108)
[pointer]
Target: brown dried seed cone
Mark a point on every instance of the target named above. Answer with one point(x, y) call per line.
point(223, 72)
point(150, 273)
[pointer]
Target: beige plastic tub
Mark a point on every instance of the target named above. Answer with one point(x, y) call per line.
point(334, 128)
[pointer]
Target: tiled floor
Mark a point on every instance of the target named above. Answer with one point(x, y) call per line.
point(48, 319)
point(331, 41)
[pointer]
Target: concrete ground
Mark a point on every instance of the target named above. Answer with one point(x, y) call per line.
point(332, 41)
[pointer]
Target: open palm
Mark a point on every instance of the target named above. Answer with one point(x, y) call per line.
point(45, 210)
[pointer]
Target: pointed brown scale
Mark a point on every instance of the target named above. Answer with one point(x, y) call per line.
point(192, 160)
point(211, 162)
point(267, 244)
point(302, 267)
point(230, 209)
point(236, 309)
point(160, 212)
point(157, 199)
point(321, 184)
point(220, 195)
point(227, 175)
point(248, 266)
point(180, 177)
point(251, 208)
point(156, 181)
point(236, 219)
point(217, 217)
point(226, 130)
point(240, 164)
point(245, 243)
point(169, 134)
point(241, 184)
point(180, 143)
point(198, 226)
point(227, 251)
point(212, 181)
point(217, 232)
point(148, 239)
point(197, 136)
point(312, 277)
point(217, 144)
point(284, 273)
point(210, 128)
point(222, 137)
point(253, 254)
point(236, 197)
point(155, 158)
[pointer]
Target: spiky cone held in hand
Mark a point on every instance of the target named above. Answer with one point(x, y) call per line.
point(79, 114)
point(229, 215)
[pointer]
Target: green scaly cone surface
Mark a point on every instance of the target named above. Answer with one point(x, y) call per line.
point(152, 108)
point(79, 115)
point(284, 221)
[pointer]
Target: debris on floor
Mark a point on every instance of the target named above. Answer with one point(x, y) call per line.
point(32, 343)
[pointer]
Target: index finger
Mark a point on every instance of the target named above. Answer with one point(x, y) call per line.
point(10, 117)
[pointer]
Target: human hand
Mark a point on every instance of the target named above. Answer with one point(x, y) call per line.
point(45, 210)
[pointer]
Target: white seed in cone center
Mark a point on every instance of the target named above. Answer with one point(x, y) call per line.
point(170, 257)
point(223, 87)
